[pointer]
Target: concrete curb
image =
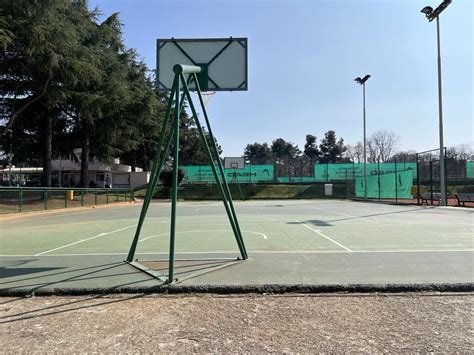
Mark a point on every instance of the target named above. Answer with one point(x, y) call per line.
point(244, 289)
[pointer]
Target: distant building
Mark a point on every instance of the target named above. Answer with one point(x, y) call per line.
point(67, 173)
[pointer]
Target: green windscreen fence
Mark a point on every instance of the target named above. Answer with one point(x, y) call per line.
point(329, 172)
point(470, 169)
point(296, 179)
point(389, 186)
point(250, 174)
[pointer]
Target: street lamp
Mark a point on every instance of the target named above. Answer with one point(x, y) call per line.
point(362, 82)
point(431, 15)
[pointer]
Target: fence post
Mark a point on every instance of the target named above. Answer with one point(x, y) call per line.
point(446, 185)
point(107, 197)
point(82, 198)
point(95, 198)
point(396, 185)
point(417, 180)
point(378, 176)
point(431, 181)
point(20, 200)
point(65, 198)
point(45, 197)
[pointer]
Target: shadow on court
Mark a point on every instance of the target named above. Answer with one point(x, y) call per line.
point(63, 307)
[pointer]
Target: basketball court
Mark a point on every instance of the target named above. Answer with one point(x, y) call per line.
point(226, 245)
point(303, 243)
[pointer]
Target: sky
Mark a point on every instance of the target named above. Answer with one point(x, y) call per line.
point(303, 56)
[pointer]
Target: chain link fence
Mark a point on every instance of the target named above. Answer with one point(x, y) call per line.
point(25, 199)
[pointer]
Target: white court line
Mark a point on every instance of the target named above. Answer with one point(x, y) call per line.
point(343, 214)
point(201, 230)
point(324, 236)
point(269, 218)
point(85, 240)
point(258, 252)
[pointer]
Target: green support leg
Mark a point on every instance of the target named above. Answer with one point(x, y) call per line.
point(160, 158)
point(175, 186)
point(225, 194)
point(219, 164)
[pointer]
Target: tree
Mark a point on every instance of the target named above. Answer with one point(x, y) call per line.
point(258, 153)
point(462, 152)
point(311, 151)
point(82, 88)
point(331, 148)
point(355, 153)
point(285, 154)
point(404, 156)
point(37, 62)
point(382, 145)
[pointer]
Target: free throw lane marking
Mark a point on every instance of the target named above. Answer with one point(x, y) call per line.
point(324, 236)
point(201, 230)
point(87, 239)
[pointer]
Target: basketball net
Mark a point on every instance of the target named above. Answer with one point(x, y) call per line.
point(207, 96)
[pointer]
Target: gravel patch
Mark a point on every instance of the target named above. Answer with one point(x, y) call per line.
point(239, 323)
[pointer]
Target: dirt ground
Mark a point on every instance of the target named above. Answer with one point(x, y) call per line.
point(238, 323)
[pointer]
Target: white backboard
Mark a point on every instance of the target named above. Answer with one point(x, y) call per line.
point(236, 163)
point(223, 60)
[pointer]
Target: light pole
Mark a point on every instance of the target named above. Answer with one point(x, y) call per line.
point(431, 15)
point(362, 82)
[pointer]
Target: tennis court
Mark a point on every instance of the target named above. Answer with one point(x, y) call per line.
point(292, 242)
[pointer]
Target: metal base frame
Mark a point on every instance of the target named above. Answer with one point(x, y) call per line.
point(169, 133)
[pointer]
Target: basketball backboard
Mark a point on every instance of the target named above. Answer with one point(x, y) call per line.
point(223, 62)
point(236, 163)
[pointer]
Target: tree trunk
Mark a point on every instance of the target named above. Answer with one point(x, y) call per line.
point(47, 150)
point(134, 161)
point(145, 157)
point(84, 182)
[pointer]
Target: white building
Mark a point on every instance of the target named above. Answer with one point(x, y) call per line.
point(67, 173)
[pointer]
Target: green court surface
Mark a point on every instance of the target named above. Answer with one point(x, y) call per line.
point(309, 243)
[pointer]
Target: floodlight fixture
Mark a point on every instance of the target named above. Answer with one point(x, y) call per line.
point(363, 80)
point(427, 10)
point(432, 14)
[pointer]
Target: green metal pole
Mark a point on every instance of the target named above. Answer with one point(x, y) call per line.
point(65, 198)
point(45, 198)
point(82, 198)
point(107, 197)
point(417, 180)
point(20, 200)
point(396, 182)
point(225, 194)
point(174, 197)
point(160, 158)
point(221, 169)
point(95, 198)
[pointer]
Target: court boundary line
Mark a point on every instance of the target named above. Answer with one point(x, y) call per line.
point(255, 252)
point(318, 232)
point(85, 240)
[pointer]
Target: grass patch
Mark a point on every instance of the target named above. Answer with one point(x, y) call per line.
point(249, 191)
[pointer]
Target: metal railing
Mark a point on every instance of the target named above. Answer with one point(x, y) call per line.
point(22, 199)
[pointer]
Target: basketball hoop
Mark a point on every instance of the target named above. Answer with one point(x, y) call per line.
point(207, 96)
